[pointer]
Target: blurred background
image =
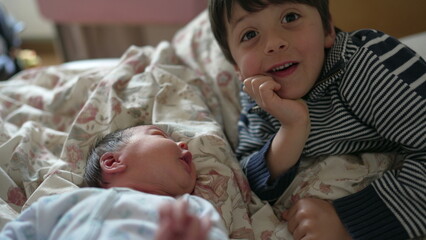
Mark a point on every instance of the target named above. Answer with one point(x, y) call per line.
point(52, 35)
point(37, 32)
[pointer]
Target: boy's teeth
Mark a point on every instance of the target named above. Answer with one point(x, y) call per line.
point(280, 68)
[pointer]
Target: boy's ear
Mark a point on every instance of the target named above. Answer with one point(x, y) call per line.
point(111, 163)
point(331, 35)
point(237, 70)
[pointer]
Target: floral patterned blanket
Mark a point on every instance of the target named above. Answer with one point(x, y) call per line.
point(49, 118)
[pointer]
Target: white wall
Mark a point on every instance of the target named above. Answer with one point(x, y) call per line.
point(26, 11)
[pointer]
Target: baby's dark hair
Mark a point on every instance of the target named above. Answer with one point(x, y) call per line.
point(111, 142)
point(220, 11)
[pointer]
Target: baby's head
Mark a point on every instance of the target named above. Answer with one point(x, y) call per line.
point(143, 158)
point(283, 39)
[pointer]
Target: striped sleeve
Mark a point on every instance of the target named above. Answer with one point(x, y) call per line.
point(256, 131)
point(389, 95)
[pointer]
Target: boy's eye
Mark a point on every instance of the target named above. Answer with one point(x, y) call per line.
point(290, 17)
point(249, 35)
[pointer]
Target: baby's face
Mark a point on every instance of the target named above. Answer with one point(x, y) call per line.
point(286, 42)
point(157, 164)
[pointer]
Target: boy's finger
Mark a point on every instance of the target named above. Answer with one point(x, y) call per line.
point(299, 233)
point(285, 215)
point(248, 86)
point(288, 215)
point(292, 225)
point(267, 91)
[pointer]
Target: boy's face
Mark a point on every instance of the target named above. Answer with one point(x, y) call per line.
point(285, 41)
point(157, 164)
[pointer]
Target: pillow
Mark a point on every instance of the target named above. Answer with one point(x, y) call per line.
point(417, 43)
point(196, 47)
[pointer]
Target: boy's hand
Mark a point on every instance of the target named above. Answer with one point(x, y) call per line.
point(177, 223)
point(311, 218)
point(263, 89)
point(288, 143)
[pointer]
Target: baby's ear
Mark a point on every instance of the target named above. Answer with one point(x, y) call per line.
point(111, 163)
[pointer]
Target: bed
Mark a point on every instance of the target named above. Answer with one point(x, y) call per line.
point(50, 116)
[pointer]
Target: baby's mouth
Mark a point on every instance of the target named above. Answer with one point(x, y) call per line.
point(187, 159)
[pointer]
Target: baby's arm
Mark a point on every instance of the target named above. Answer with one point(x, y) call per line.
point(288, 143)
point(177, 223)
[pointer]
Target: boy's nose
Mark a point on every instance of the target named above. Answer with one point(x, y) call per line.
point(275, 44)
point(183, 145)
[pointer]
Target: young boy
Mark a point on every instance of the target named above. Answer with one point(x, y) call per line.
point(144, 171)
point(364, 91)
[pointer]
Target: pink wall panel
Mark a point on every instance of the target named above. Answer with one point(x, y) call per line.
point(121, 11)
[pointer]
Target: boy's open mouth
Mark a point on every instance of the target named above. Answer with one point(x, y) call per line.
point(282, 67)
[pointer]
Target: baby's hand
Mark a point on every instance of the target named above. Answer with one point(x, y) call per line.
point(263, 89)
point(177, 223)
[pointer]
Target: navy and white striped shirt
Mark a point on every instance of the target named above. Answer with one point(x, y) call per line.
point(370, 98)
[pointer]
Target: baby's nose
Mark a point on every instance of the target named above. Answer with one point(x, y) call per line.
point(183, 145)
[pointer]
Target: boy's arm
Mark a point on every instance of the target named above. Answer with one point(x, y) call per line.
point(393, 102)
point(286, 148)
point(397, 110)
point(293, 115)
point(389, 95)
point(271, 155)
